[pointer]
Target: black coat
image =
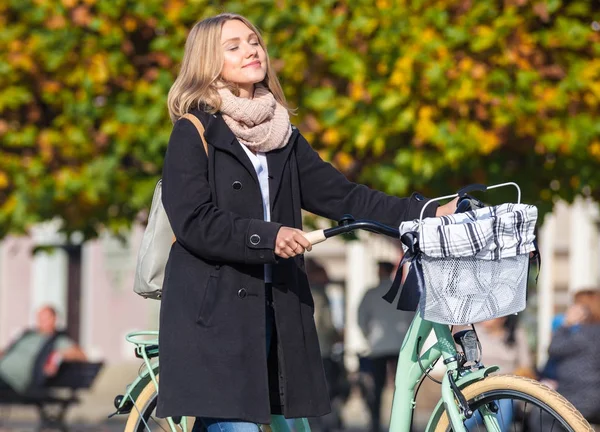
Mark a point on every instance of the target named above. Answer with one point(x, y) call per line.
point(213, 360)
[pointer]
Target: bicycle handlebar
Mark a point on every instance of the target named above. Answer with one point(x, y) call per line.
point(318, 236)
point(347, 223)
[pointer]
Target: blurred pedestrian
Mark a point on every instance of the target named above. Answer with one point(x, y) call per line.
point(384, 328)
point(329, 337)
point(237, 311)
point(575, 352)
point(37, 354)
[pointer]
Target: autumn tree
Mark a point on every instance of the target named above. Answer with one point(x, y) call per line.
point(401, 95)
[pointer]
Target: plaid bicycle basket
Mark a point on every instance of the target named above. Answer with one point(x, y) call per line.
point(473, 266)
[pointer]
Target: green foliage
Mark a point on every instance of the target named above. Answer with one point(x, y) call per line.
point(398, 94)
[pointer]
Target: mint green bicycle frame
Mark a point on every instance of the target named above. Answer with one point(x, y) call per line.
point(408, 375)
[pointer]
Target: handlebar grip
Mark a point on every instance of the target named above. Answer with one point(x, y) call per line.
point(315, 237)
point(470, 188)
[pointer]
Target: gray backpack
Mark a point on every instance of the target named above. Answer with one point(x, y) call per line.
point(157, 240)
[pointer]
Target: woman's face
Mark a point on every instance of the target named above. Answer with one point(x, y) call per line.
point(244, 59)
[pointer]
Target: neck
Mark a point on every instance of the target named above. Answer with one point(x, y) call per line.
point(247, 91)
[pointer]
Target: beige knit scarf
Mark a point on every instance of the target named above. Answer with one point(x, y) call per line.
point(261, 123)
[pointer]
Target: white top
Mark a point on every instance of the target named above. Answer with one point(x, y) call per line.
point(259, 161)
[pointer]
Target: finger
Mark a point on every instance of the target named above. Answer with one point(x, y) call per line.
point(280, 249)
point(303, 241)
point(281, 254)
point(290, 251)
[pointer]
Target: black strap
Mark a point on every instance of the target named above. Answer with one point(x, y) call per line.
point(412, 288)
point(537, 258)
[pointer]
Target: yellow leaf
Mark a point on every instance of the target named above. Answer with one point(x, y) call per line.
point(594, 149)
point(489, 142)
point(357, 91)
point(402, 73)
point(343, 160)
point(98, 70)
point(51, 87)
point(10, 204)
point(3, 180)
point(428, 35)
point(331, 137)
point(465, 91)
point(425, 128)
point(130, 24)
point(465, 64)
point(382, 68)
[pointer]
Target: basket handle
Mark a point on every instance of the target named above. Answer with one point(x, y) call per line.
point(467, 189)
point(472, 187)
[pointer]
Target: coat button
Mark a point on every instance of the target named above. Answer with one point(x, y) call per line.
point(255, 239)
point(237, 185)
point(242, 293)
point(419, 197)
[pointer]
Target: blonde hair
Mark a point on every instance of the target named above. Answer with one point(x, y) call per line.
point(200, 73)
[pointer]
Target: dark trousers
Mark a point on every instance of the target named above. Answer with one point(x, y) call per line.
point(379, 368)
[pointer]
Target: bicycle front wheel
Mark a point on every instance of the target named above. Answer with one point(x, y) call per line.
point(521, 404)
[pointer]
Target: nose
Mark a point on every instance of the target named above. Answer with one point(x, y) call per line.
point(251, 50)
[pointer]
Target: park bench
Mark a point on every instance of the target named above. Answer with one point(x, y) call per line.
point(58, 393)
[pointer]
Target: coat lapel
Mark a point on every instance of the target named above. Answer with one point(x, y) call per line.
point(218, 134)
point(276, 160)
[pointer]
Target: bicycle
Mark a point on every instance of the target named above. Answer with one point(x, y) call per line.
point(468, 387)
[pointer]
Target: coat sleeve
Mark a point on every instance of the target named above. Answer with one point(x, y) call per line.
point(327, 192)
point(199, 225)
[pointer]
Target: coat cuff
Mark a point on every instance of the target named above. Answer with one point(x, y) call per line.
point(416, 203)
point(260, 241)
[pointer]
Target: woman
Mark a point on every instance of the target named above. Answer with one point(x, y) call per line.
point(237, 335)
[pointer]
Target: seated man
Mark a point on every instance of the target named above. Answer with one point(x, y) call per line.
point(37, 354)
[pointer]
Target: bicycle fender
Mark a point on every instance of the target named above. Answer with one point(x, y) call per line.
point(461, 382)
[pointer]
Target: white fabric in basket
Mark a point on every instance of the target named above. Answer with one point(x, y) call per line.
point(489, 233)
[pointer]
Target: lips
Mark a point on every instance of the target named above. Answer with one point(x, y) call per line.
point(254, 63)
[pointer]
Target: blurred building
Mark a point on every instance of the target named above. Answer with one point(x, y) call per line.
point(91, 284)
point(570, 249)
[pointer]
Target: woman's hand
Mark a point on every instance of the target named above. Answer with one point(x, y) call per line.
point(447, 209)
point(291, 242)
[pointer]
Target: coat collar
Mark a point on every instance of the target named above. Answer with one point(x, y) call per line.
point(218, 134)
